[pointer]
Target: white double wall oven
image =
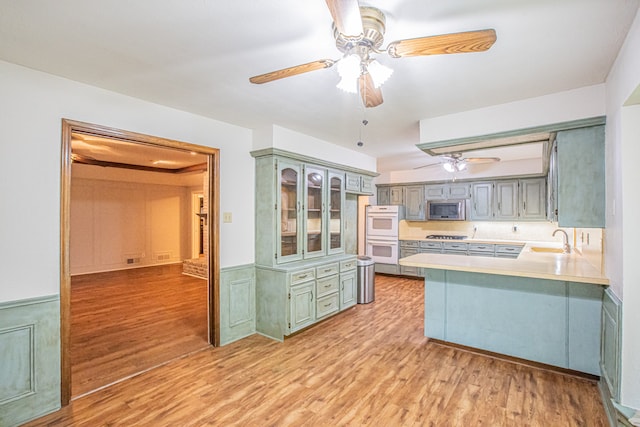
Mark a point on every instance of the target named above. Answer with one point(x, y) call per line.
point(382, 233)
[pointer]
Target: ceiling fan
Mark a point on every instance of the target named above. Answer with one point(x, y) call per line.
point(454, 162)
point(359, 33)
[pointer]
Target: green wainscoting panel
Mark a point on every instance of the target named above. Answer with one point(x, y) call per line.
point(610, 351)
point(237, 303)
point(29, 359)
point(547, 321)
point(584, 317)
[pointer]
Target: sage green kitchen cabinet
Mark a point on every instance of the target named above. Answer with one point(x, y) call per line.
point(359, 184)
point(388, 195)
point(533, 196)
point(299, 211)
point(288, 212)
point(406, 251)
point(396, 195)
point(383, 197)
point(314, 211)
point(447, 191)
point(302, 306)
point(506, 200)
point(348, 289)
point(336, 200)
point(581, 177)
point(414, 202)
point(481, 201)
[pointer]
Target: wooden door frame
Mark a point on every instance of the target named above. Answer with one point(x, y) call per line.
point(213, 163)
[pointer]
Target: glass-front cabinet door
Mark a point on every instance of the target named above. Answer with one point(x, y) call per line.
point(315, 212)
point(290, 209)
point(336, 205)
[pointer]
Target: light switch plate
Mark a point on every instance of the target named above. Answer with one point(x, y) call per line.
point(226, 217)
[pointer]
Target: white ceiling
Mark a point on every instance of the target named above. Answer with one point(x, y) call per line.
point(198, 56)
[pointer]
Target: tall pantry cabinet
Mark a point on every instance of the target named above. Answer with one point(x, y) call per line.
point(303, 273)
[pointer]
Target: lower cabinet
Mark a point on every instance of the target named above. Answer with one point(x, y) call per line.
point(348, 289)
point(292, 297)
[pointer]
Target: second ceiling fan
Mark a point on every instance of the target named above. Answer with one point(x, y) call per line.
point(359, 33)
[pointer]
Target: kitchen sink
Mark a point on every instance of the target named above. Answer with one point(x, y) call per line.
point(548, 250)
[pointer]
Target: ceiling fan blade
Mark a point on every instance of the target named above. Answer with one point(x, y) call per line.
point(371, 96)
point(430, 165)
point(292, 71)
point(481, 159)
point(471, 41)
point(346, 17)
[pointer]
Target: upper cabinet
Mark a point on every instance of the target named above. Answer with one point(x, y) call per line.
point(359, 184)
point(314, 212)
point(533, 195)
point(509, 200)
point(506, 200)
point(390, 195)
point(289, 206)
point(302, 209)
point(336, 205)
point(579, 163)
point(447, 191)
point(481, 201)
point(414, 202)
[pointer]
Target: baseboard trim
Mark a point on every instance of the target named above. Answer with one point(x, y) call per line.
point(519, 361)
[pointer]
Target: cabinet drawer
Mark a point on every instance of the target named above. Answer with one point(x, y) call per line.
point(509, 251)
point(327, 285)
point(410, 243)
point(481, 247)
point(327, 270)
point(431, 246)
point(455, 247)
point(327, 305)
point(303, 276)
point(348, 265)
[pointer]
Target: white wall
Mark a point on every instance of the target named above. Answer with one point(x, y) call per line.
point(31, 108)
point(289, 140)
point(623, 205)
point(559, 107)
point(113, 221)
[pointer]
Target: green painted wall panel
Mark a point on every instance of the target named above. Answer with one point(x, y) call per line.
point(237, 303)
point(29, 359)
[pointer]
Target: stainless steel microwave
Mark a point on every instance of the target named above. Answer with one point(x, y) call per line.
point(446, 210)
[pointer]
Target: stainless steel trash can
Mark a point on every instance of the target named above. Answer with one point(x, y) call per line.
point(366, 280)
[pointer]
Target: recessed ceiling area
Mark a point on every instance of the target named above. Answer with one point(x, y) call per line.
point(97, 157)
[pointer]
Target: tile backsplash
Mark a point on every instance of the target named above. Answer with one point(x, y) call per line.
point(494, 230)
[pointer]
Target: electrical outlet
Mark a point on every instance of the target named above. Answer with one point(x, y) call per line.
point(226, 217)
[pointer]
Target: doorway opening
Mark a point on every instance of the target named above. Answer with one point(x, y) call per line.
point(128, 153)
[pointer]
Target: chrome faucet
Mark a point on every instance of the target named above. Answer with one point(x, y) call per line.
point(566, 248)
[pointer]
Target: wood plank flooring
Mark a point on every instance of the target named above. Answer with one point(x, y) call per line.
point(125, 322)
point(370, 365)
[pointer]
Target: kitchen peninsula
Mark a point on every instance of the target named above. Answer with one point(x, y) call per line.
point(542, 306)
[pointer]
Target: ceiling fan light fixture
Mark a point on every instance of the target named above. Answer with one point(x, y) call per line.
point(460, 166)
point(349, 85)
point(349, 71)
point(448, 167)
point(349, 67)
point(379, 73)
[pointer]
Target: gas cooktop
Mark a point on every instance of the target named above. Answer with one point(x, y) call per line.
point(445, 237)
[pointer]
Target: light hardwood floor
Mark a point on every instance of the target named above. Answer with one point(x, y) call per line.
point(124, 322)
point(370, 365)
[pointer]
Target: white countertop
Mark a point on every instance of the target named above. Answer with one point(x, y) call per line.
point(541, 265)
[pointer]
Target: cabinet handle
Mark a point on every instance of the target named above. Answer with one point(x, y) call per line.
point(327, 286)
point(303, 276)
point(298, 205)
point(524, 206)
point(327, 305)
point(311, 295)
